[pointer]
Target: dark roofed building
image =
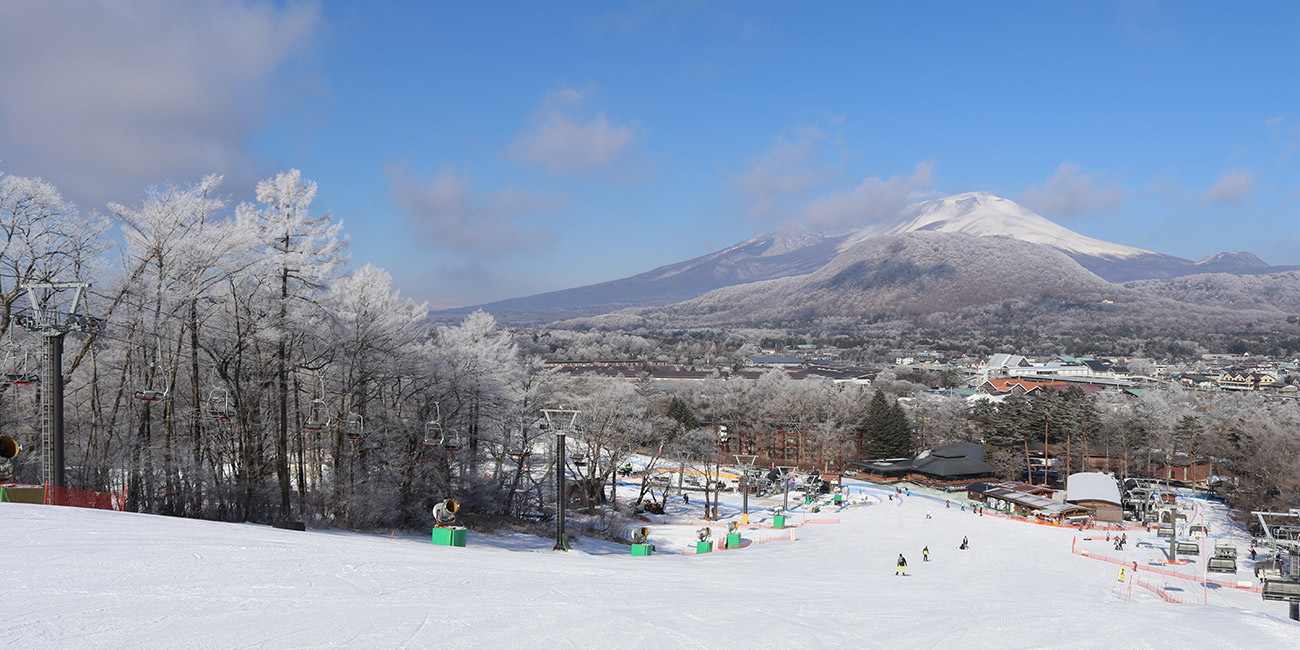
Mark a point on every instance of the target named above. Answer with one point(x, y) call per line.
point(949, 464)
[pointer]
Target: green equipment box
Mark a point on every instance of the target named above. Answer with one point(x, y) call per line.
point(449, 536)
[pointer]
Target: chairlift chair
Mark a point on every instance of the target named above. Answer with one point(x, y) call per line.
point(219, 404)
point(579, 460)
point(317, 416)
point(1283, 589)
point(1221, 564)
point(433, 434)
point(1165, 530)
point(452, 442)
point(18, 370)
point(150, 395)
point(1188, 548)
point(356, 429)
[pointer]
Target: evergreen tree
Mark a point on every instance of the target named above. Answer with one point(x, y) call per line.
point(874, 427)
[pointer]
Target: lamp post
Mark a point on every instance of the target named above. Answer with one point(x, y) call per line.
point(746, 462)
point(560, 421)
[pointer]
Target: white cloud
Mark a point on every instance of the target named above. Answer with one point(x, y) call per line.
point(105, 97)
point(874, 200)
point(1232, 187)
point(791, 167)
point(565, 138)
point(1071, 193)
point(445, 213)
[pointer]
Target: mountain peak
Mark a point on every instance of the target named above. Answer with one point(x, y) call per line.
point(1237, 260)
point(989, 215)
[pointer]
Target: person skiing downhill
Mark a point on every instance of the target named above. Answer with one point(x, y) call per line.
point(902, 565)
point(925, 554)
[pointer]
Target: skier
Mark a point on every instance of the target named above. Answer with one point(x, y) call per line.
point(687, 499)
point(902, 565)
point(925, 554)
point(1252, 553)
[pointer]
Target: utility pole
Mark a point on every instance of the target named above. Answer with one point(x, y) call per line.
point(46, 319)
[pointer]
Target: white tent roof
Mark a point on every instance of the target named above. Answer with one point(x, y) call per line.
point(1092, 486)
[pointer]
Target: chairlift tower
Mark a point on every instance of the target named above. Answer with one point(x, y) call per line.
point(1283, 531)
point(47, 319)
point(560, 421)
point(746, 462)
point(785, 482)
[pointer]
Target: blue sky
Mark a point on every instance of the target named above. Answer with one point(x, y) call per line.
point(480, 151)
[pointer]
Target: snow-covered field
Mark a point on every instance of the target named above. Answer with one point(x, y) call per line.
point(75, 578)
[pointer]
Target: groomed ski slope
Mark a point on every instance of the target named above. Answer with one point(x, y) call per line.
point(75, 578)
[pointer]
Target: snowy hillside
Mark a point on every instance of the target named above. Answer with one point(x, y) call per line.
point(986, 215)
point(96, 579)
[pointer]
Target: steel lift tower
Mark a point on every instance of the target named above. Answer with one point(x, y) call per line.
point(53, 323)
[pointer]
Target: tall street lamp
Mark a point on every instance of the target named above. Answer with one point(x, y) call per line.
point(561, 422)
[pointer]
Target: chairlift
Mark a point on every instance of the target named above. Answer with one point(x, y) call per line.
point(150, 395)
point(219, 404)
point(318, 418)
point(356, 428)
point(1187, 548)
point(434, 434)
point(452, 442)
point(1269, 569)
point(1165, 530)
point(1225, 550)
point(1221, 564)
point(1284, 589)
point(19, 371)
point(579, 460)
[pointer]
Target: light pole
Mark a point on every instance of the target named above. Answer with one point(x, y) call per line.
point(746, 462)
point(561, 421)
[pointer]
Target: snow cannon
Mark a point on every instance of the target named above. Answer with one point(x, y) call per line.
point(445, 532)
point(706, 540)
point(639, 546)
point(8, 450)
point(733, 535)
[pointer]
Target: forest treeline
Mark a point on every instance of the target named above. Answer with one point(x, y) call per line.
point(243, 373)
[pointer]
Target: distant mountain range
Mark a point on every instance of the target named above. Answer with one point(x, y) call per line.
point(959, 252)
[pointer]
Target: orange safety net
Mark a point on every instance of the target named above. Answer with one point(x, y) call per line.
point(59, 496)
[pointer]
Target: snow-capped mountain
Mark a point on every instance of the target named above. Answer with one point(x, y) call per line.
point(795, 251)
point(986, 215)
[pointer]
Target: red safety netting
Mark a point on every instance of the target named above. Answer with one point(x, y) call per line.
point(58, 496)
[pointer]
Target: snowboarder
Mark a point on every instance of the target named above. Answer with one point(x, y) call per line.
point(965, 544)
point(925, 554)
point(927, 514)
point(687, 499)
point(902, 565)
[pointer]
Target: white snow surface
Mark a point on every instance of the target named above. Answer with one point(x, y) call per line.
point(983, 214)
point(77, 578)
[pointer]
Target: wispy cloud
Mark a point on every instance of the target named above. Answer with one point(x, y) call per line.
point(1234, 186)
point(874, 200)
point(1071, 193)
point(103, 98)
point(776, 181)
point(567, 137)
point(444, 212)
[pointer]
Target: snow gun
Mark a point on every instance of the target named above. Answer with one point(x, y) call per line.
point(733, 527)
point(705, 534)
point(639, 535)
point(8, 450)
point(444, 513)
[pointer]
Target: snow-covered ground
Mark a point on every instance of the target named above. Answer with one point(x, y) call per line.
point(77, 578)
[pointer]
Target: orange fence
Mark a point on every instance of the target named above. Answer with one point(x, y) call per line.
point(59, 496)
point(1161, 570)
